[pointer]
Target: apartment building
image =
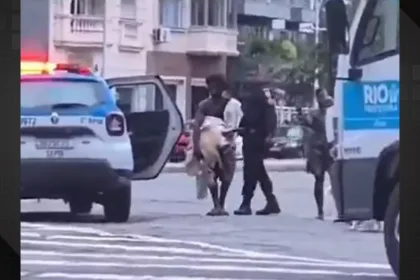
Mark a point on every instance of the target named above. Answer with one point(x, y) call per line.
point(183, 41)
point(203, 41)
point(269, 19)
point(83, 30)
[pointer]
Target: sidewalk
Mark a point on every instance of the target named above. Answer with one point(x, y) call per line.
point(273, 165)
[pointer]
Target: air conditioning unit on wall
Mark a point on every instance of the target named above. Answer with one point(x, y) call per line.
point(161, 35)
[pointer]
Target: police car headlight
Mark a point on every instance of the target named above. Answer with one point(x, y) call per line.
point(115, 124)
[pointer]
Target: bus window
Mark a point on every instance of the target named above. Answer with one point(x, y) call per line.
point(378, 32)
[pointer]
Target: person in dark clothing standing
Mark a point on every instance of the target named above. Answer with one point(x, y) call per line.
point(256, 127)
point(319, 158)
point(215, 106)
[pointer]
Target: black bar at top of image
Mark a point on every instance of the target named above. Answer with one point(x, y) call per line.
point(409, 140)
point(9, 116)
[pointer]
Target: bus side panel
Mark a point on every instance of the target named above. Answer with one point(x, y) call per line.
point(352, 181)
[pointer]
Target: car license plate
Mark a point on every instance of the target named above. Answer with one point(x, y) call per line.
point(54, 144)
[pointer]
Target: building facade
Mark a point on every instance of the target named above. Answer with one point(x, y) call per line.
point(183, 41)
point(203, 41)
point(118, 37)
point(270, 19)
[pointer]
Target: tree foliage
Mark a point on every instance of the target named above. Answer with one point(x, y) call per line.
point(281, 61)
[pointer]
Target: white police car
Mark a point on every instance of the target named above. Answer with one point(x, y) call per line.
point(79, 146)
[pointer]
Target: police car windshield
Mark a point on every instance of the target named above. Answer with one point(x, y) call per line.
point(37, 93)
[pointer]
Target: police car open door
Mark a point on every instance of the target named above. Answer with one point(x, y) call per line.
point(154, 122)
point(369, 105)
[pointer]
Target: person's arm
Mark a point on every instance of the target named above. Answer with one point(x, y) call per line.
point(200, 115)
point(239, 114)
point(229, 115)
point(270, 120)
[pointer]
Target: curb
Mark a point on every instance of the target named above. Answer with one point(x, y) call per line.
point(287, 165)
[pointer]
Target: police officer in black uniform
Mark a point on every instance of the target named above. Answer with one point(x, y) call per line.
point(256, 128)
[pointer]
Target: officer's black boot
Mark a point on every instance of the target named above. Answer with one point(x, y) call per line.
point(245, 208)
point(272, 207)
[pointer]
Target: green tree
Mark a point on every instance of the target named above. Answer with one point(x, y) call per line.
point(281, 61)
point(268, 60)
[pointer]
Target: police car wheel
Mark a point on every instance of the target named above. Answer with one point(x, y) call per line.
point(117, 204)
point(392, 230)
point(80, 205)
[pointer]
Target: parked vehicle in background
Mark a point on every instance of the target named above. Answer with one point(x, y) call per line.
point(178, 154)
point(287, 142)
point(179, 151)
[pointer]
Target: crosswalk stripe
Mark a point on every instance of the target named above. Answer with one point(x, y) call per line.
point(224, 268)
point(163, 249)
point(55, 228)
point(223, 251)
point(156, 240)
point(82, 252)
point(57, 275)
point(237, 260)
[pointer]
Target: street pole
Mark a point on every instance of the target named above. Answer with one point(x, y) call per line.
point(317, 8)
point(104, 41)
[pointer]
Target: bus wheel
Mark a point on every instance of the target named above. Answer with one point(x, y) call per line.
point(392, 230)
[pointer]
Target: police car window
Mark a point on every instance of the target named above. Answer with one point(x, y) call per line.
point(139, 98)
point(48, 92)
point(378, 34)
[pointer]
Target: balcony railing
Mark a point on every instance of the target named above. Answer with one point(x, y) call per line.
point(76, 30)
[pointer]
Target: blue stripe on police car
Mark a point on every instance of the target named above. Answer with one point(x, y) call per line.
point(100, 110)
point(371, 105)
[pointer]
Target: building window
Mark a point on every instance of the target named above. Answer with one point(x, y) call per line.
point(249, 32)
point(172, 91)
point(128, 9)
point(232, 14)
point(198, 94)
point(216, 13)
point(87, 7)
point(171, 13)
point(219, 13)
point(198, 12)
point(306, 4)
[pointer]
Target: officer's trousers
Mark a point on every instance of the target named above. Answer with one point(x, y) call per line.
point(254, 172)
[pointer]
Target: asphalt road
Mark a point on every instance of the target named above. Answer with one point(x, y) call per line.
point(168, 237)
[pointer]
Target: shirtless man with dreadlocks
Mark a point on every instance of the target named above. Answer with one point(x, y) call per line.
point(215, 106)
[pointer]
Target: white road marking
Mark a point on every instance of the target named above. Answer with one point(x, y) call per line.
point(237, 260)
point(199, 268)
point(232, 252)
point(162, 249)
point(102, 236)
point(76, 229)
point(23, 273)
point(30, 234)
point(57, 275)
